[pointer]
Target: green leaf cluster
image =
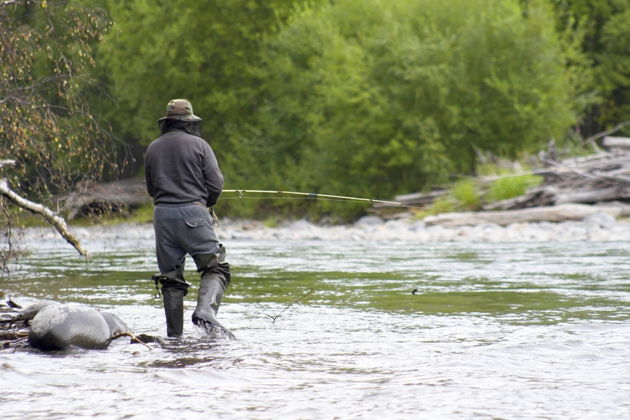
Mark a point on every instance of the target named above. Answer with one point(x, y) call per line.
point(45, 124)
point(472, 194)
point(354, 97)
point(601, 30)
point(374, 97)
point(206, 51)
point(511, 186)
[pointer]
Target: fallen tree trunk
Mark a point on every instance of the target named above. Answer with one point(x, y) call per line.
point(598, 190)
point(595, 179)
point(560, 213)
point(596, 195)
point(417, 199)
point(58, 222)
point(611, 142)
point(92, 198)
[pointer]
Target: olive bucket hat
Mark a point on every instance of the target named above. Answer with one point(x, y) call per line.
point(180, 109)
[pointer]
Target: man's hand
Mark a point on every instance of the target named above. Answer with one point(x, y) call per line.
point(215, 219)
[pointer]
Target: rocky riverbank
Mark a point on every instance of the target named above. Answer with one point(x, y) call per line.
point(594, 227)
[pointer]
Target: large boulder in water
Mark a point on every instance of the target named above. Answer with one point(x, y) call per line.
point(57, 326)
point(115, 324)
point(30, 311)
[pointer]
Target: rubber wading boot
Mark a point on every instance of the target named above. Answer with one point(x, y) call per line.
point(211, 291)
point(174, 310)
point(174, 288)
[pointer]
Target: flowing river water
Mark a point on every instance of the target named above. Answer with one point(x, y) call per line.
point(332, 330)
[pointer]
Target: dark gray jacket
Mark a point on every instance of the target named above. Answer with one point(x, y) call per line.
point(181, 168)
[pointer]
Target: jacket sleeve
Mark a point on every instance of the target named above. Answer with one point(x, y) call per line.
point(213, 178)
point(147, 176)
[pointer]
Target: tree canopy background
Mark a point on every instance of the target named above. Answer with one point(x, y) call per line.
point(47, 53)
point(353, 97)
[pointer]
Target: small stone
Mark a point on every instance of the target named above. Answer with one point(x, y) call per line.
point(369, 221)
point(600, 219)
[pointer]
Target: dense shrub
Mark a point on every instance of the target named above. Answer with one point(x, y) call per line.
point(374, 97)
point(511, 186)
point(352, 97)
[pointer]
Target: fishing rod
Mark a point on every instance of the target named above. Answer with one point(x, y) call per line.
point(315, 196)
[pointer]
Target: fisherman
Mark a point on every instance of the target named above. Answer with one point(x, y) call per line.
point(184, 180)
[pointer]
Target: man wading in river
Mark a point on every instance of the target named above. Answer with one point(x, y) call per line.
point(184, 179)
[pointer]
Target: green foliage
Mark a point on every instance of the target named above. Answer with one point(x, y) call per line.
point(47, 53)
point(601, 27)
point(511, 186)
point(444, 204)
point(373, 97)
point(205, 51)
point(356, 97)
point(463, 195)
point(466, 193)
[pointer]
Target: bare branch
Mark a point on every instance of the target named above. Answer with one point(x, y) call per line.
point(58, 222)
point(8, 98)
point(607, 132)
point(42, 82)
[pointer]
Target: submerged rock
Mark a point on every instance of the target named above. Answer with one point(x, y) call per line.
point(55, 326)
point(30, 311)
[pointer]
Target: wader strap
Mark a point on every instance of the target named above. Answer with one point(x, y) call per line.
point(156, 280)
point(174, 279)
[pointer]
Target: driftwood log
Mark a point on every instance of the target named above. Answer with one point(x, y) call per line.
point(560, 213)
point(611, 142)
point(571, 190)
point(418, 199)
point(92, 198)
point(599, 178)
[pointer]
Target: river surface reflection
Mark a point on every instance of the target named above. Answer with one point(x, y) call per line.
point(331, 329)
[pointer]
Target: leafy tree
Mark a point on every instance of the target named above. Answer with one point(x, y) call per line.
point(367, 97)
point(602, 28)
point(205, 51)
point(45, 125)
point(373, 97)
point(47, 49)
